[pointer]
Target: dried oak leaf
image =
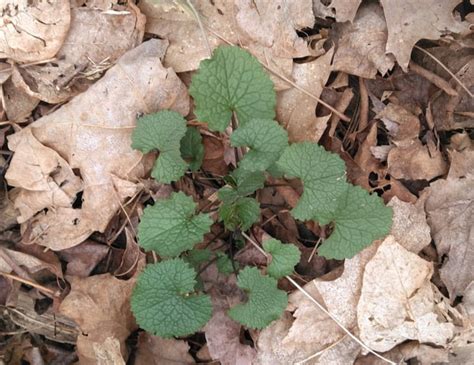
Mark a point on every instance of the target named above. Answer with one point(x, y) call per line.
point(33, 31)
point(450, 211)
point(154, 350)
point(96, 39)
point(296, 110)
point(407, 24)
point(100, 305)
point(94, 140)
point(361, 44)
point(401, 280)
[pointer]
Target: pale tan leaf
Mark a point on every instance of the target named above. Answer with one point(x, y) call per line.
point(108, 352)
point(361, 45)
point(33, 30)
point(450, 212)
point(409, 225)
point(95, 141)
point(296, 110)
point(96, 39)
point(401, 281)
point(407, 24)
point(100, 305)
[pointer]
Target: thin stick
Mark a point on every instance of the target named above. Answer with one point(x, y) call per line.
point(446, 69)
point(364, 105)
point(314, 249)
point(433, 78)
point(41, 288)
point(315, 302)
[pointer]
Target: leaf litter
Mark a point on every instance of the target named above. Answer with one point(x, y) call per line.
point(74, 186)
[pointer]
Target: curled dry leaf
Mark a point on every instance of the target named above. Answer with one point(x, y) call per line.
point(342, 10)
point(100, 305)
point(95, 142)
point(154, 350)
point(407, 24)
point(361, 44)
point(96, 39)
point(33, 31)
point(296, 110)
point(401, 280)
point(450, 212)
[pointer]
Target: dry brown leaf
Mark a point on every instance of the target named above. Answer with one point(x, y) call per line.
point(33, 31)
point(176, 23)
point(82, 259)
point(401, 281)
point(17, 103)
point(266, 28)
point(411, 160)
point(108, 352)
point(223, 333)
point(154, 350)
point(95, 141)
point(462, 163)
point(96, 39)
point(409, 225)
point(407, 24)
point(100, 305)
point(400, 123)
point(296, 110)
point(450, 211)
point(8, 213)
point(341, 10)
point(361, 45)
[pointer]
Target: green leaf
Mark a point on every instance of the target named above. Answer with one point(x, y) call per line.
point(360, 219)
point(164, 303)
point(265, 301)
point(237, 211)
point(196, 257)
point(192, 149)
point(266, 140)
point(224, 264)
point(170, 226)
point(232, 81)
point(284, 258)
point(323, 177)
point(162, 131)
point(247, 182)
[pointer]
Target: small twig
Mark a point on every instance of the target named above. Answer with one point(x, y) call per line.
point(315, 302)
point(314, 249)
point(364, 105)
point(446, 69)
point(40, 287)
point(433, 78)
